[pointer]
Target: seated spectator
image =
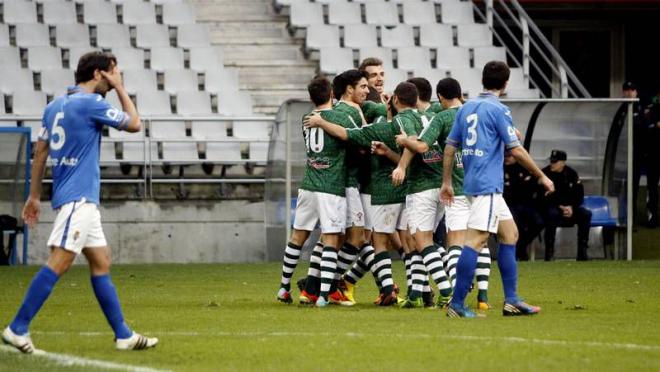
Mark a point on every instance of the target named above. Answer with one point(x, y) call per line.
point(521, 195)
point(563, 207)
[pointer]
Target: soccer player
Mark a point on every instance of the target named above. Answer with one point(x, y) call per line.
point(321, 199)
point(483, 129)
point(71, 136)
point(373, 68)
point(422, 201)
point(425, 92)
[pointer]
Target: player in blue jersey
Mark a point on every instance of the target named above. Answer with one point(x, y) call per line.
point(71, 136)
point(483, 129)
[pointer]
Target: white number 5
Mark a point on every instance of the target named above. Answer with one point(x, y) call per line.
point(472, 129)
point(56, 143)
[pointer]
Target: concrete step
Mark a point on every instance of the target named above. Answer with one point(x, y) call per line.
point(275, 97)
point(266, 110)
point(275, 78)
point(269, 54)
point(244, 11)
point(247, 33)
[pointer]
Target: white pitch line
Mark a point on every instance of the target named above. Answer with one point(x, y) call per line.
point(507, 339)
point(71, 360)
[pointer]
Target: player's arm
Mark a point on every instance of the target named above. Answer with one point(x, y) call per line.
point(413, 144)
point(316, 121)
point(381, 149)
point(32, 206)
point(454, 140)
point(523, 157)
point(399, 174)
point(114, 79)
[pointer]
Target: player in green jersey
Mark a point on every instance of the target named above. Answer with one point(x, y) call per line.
point(425, 92)
point(373, 67)
point(321, 197)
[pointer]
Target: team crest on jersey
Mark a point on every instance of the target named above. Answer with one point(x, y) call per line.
point(319, 163)
point(433, 156)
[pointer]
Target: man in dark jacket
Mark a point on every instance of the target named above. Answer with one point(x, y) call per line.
point(563, 207)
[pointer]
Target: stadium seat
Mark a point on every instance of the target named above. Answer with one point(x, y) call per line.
point(516, 79)
point(344, 13)
point(251, 129)
point(474, 35)
point(19, 11)
point(28, 102)
point(384, 54)
point(154, 102)
point(485, 54)
point(456, 12)
point(393, 78)
point(223, 152)
point(335, 60)
point(55, 82)
point(381, 13)
point(4, 36)
point(195, 35)
point(139, 80)
point(209, 129)
point(411, 58)
point(114, 133)
point(433, 75)
point(73, 55)
point(181, 81)
point(221, 79)
point(205, 58)
point(10, 57)
point(167, 129)
point(320, 36)
point(194, 103)
point(469, 79)
point(133, 151)
point(178, 13)
point(129, 58)
point(108, 155)
point(234, 103)
point(15, 78)
point(113, 36)
point(32, 34)
point(71, 35)
point(44, 58)
point(357, 36)
point(99, 12)
point(59, 12)
point(112, 99)
point(137, 12)
point(450, 57)
point(180, 152)
point(599, 207)
point(418, 13)
point(522, 93)
point(397, 37)
point(152, 35)
point(258, 152)
point(166, 58)
point(306, 14)
point(35, 127)
point(436, 35)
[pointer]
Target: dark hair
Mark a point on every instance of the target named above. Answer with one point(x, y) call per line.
point(495, 75)
point(346, 78)
point(374, 96)
point(320, 90)
point(448, 88)
point(91, 62)
point(407, 94)
point(423, 88)
point(371, 61)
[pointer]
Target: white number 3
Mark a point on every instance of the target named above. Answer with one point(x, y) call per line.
point(472, 129)
point(56, 143)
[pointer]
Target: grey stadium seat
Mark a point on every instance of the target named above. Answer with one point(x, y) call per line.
point(433, 75)
point(234, 103)
point(19, 11)
point(450, 57)
point(139, 80)
point(32, 34)
point(396, 37)
point(195, 35)
point(517, 79)
point(44, 58)
point(112, 98)
point(15, 78)
point(166, 58)
point(28, 102)
point(4, 36)
point(221, 79)
point(436, 35)
point(357, 36)
point(152, 35)
point(418, 13)
point(472, 35)
point(306, 14)
point(258, 151)
point(194, 103)
point(384, 54)
point(107, 153)
point(205, 58)
point(153, 102)
point(137, 12)
point(55, 82)
point(99, 12)
point(167, 129)
point(180, 152)
point(178, 13)
point(411, 58)
point(59, 12)
point(129, 58)
point(71, 35)
point(181, 81)
point(113, 36)
point(344, 13)
point(393, 78)
point(75, 53)
point(469, 78)
point(251, 129)
point(319, 36)
point(483, 55)
point(456, 12)
point(10, 57)
point(223, 152)
point(209, 129)
point(381, 13)
point(173, 151)
point(334, 60)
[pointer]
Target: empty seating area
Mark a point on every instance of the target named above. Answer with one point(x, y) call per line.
point(442, 37)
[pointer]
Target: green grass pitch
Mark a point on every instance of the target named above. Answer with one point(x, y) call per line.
point(596, 316)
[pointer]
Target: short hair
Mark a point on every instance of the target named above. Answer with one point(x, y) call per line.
point(407, 94)
point(423, 88)
point(346, 78)
point(371, 61)
point(449, 88)
point(495, 75)
point(320, 90)
point(91, 62)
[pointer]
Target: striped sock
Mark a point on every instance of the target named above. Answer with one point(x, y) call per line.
point(328, 268)
point(361, 266)
point(454, 253)
point(406, 261)
point(289, 263)
point(314, 272)
point(347, 255)
point(436, 269)
point(383, 268)
point(426, 287)
point(443, 255)
point(483, 274)
point(418, 274)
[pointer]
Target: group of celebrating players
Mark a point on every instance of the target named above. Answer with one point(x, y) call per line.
point(381, 172)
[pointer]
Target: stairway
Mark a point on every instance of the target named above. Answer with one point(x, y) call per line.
point(255, 40)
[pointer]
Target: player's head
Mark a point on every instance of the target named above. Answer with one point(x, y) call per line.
point(351, 85)
point(448, 90)
point(495, 76)
point(89, 70)
point(375, 73)
point(405, 96)
point(320, 90)
point(424, 88)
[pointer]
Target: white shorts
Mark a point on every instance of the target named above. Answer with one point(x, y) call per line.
point(77, 226)
point(402, 223)
point(486, 212)
point(354, 210)
point(318, 207)
point(368, 216)
point(386, 217)
point(424, 210)
point(457, 214)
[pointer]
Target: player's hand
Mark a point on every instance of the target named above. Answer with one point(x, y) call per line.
point(547, 185)
point(313, 121)
point(400, 139)
point(31, 211)
point(398, 176)
point(447, 194)
point(113, 77)
point(379, 148)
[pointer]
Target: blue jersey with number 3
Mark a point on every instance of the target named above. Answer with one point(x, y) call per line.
point(483, 128)
point(72, 127)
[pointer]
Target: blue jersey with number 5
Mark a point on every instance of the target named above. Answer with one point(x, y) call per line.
point(483, 128)
point(72, 127)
